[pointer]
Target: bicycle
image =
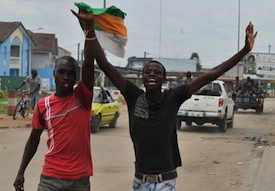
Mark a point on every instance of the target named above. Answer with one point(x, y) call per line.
point(22, 107)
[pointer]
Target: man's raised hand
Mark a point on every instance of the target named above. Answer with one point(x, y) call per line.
point(250, 36)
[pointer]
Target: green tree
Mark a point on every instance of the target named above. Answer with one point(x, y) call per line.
point(195, 56)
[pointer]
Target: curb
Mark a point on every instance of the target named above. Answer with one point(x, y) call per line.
point(266, 172)
point(27, 125)
point(4, 127)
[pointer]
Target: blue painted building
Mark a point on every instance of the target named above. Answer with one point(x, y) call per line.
point(14, 41)
point(22, 50)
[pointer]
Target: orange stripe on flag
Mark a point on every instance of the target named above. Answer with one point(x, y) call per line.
point(111, 24)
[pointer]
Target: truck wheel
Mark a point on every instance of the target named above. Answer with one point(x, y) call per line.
point(262, 109)
point(114, 121)
point(178, 123)
point(188, 123)
point(223, 124)
point(259, 110)
point(231, 121)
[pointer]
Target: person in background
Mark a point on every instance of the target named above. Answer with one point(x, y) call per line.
point(189, 78)
point(249, 86)
point(34, 83)
point(238, 85)
point(67, 117)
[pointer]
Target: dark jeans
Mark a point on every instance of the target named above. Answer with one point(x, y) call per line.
point(55, 184)
point(34, 99)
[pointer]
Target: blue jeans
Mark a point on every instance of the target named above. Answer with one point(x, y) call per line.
point(34, 99)
point(55, 184)
point(167, 185)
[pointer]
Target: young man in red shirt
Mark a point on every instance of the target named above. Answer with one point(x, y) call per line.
point(67, 116)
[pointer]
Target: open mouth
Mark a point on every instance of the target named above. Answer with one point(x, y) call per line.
point(152, 81)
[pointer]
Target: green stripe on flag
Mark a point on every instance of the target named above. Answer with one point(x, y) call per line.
point(113, 10)
point(97, 27)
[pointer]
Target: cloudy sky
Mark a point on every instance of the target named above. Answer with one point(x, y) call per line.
point(162, 28)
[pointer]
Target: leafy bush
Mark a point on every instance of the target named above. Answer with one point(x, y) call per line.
point(1, 94)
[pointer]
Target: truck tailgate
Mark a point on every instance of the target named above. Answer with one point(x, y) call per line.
point(201, 103)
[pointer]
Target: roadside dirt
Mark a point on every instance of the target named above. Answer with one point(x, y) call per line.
point(211, 160)
point(227, 161)
point(8, 122)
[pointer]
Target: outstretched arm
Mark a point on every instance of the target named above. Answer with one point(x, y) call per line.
point(217, 71)
point(22, 84)
point(111, 72)
point(87, 19)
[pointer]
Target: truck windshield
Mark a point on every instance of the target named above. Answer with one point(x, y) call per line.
point(211, 89)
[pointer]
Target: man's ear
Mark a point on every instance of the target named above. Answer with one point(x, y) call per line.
point(164, 80)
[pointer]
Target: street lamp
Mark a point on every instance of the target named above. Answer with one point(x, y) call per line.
point(29, 48)
point(160, 20)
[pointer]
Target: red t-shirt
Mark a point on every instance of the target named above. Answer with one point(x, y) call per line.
point(67, 120)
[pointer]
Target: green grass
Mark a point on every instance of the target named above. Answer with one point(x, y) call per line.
point(3, 105)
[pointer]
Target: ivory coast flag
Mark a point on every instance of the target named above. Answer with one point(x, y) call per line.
point(109, 28)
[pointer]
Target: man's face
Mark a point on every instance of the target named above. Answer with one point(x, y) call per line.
point(34, 73)
point(65, 76)
point(153, 76)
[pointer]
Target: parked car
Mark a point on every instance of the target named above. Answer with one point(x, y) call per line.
point(105, 110)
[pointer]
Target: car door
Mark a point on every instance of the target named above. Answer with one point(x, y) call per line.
point(112, 106)
point(105, 110)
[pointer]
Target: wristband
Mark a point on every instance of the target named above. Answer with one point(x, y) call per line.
point(93, 38)
point(86, 32)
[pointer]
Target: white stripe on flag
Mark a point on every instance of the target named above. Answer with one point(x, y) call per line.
point(112, 42)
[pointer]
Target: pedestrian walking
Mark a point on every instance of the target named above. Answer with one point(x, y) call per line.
point(67, 116)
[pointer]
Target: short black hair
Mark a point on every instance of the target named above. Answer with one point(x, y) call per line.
point(154, 61)
point(188, 74)
point(33, 70)
point(68, 58)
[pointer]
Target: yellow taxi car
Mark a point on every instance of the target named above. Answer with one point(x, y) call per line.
point(105, 110)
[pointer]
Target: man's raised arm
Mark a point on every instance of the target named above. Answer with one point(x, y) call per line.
point(87, 19)
point(217, 71)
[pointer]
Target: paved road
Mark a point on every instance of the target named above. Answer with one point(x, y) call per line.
point(211, 160)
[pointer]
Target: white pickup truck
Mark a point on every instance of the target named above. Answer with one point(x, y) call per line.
point(211, 104)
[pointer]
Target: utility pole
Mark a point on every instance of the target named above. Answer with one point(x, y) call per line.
point(78, 51)
point(269, 48)
point(144, 62)
point(160, 22)
point(28, 53)
point(102, 74)
point(29, 48)
point(239, 10)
